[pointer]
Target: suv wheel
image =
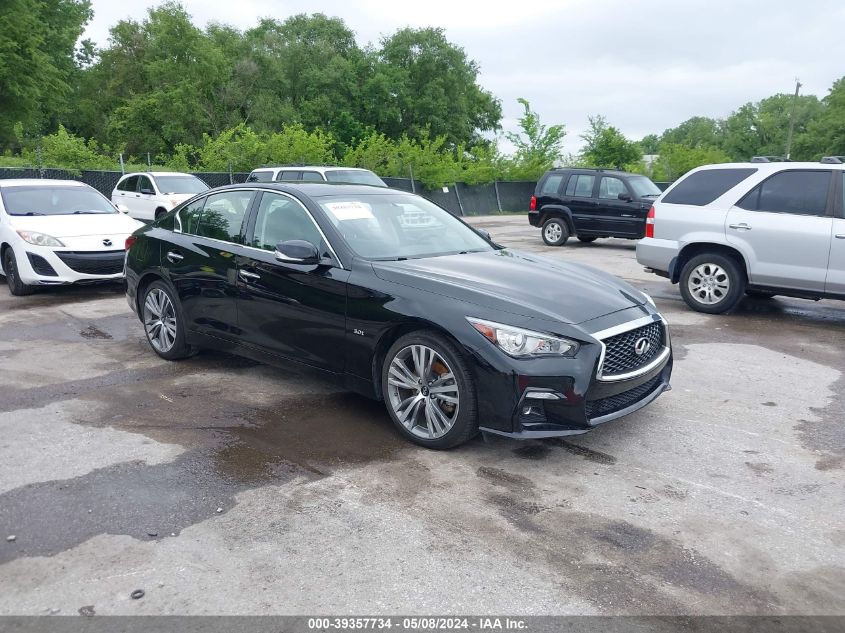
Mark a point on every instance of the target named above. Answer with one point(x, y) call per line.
point(712, 283)
point(555, 232)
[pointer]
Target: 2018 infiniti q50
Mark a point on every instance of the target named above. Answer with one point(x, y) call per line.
point(402, 302)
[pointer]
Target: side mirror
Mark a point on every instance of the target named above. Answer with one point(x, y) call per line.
point(297, 252)
point(624, 196)
point(484, 234)
point(148, 192)
point(122, 208)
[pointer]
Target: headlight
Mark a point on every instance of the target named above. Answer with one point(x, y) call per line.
point(520, 343)
point(39, 239)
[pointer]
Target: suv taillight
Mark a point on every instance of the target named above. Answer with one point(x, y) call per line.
point(129, 242)
point(532, 206)
point(649, 223)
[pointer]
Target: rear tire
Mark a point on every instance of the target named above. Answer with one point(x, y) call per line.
point(10, 267)
point(587, 240)
point(555, 232)
point(712, 283)
point(164, 324)
point(434, 407)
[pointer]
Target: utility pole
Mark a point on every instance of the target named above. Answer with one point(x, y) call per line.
point(792, 119)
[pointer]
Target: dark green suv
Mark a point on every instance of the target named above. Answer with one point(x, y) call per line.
point(591, 203)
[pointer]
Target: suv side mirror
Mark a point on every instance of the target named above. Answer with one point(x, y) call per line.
point(297, 252)
point(147, 191)
point(624, 196)
point(484, 234)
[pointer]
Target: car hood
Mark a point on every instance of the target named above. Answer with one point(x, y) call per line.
point(60, 226)
point(518, 283)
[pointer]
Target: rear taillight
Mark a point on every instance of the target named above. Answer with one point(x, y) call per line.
point(649, 223)
point(532, 206)
point(129, 242)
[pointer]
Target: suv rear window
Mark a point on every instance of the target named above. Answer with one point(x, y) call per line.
point(797, 192)
point(260, 176)
point(703, 187)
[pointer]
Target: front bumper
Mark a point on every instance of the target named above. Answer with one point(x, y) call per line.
point(42, 266)
point(568, 396)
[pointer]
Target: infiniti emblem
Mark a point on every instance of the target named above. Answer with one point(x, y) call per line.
point(641, 346)
point(107, 242)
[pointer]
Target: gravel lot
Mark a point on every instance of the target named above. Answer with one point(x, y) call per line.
point(218, 485)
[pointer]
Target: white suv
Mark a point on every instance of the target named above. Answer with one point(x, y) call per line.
point(345, 175)
point(760, 228)
point(149, 195)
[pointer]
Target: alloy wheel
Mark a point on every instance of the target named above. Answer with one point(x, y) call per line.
point(709, 284)
point(553, 232)
point(160, 320)
point(423, 391)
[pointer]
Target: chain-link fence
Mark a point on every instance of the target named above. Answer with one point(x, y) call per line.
point(459, 199)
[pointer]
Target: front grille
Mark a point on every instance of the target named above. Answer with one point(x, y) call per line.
point(612, 404)
point(41, 266)
point(620, 356)
point(93, 263)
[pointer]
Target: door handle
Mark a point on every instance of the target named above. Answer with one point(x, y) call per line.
point(174, 257)
point(840, 236)
point(248, 276)
point(740, 227)
point(627, 215)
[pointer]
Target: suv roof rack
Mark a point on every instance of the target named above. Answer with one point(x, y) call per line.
point(833, 160)
point(769, 159)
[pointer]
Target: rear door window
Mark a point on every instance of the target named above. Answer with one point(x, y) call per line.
point(260, 176)
point(312, 176)
point(610, 188)
point(289, 175)
point(223, 215)
point(795, 192)
point(703, 187)
point(551, 185)
point(130, 184)
point(580, 186)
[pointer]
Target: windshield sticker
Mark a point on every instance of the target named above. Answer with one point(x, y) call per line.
point(350, 210)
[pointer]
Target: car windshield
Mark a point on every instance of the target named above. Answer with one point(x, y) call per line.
point(643, 187)
point(180, 184)
point(399, 226)
point(49, 200)
point(354, 177)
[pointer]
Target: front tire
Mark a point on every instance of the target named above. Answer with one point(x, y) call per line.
point(712, 283)
point(428, 391)
point(10, 267)
point(164, 324)
point(555, 232)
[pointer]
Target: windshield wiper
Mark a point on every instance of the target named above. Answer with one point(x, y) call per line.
point(86, 212)
point(29, 213)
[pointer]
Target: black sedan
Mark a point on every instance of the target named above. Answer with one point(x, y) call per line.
point(398, 300)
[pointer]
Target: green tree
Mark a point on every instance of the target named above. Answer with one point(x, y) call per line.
point(537, 146)
point(650, 144)
point(37, 40)
point(429, 86)
point(675, 160)
point(606, 146)
point(698, 131)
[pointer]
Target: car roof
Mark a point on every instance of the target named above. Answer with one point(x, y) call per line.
point(772, 167)
point(316, 189)
point(42, 182)
point(309, 167)
point(590, 170)
point(157, 173)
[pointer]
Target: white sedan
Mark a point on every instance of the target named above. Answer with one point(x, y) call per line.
point(149, 195)
point(58, 232)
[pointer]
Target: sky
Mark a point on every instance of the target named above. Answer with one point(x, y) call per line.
point(646, 65)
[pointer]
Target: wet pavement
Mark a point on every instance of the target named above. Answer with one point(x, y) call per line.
point(219, 485)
